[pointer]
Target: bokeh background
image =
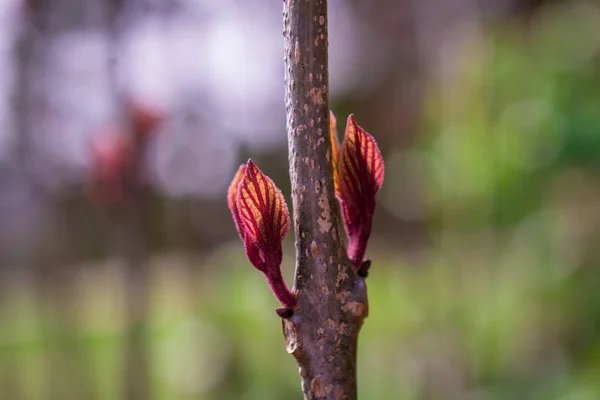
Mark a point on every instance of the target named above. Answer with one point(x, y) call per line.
point(485, 281)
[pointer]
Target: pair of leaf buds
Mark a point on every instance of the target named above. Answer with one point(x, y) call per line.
point(262, 218)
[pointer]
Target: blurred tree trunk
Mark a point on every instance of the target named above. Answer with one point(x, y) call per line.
point(127, 218)
point(332, 300)
point(131, 247)
point(51, 260)
point(26, 48)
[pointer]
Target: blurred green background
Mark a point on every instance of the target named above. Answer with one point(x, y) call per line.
point(485, 282)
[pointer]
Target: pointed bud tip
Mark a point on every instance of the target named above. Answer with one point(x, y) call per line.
point(332, 119)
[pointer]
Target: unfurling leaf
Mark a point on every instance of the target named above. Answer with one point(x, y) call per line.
point(262, 219)
point(335, 148)
point(262, 209)
point(361, 173)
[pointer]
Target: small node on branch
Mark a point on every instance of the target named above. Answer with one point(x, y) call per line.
point(363, 271)
point(284, 312)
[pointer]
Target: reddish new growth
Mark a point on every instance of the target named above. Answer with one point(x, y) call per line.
point(262, 220)
point(111, 156)
point(358, 176)
point(145, 118)
point(114, 151)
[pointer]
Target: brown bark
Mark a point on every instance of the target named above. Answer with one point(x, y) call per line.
point(332, 300)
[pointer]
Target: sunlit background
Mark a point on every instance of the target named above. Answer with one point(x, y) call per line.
point(485, 282)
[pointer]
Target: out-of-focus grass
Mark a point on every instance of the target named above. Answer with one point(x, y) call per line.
point(483, 324)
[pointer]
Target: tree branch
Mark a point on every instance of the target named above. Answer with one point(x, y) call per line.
point(332, 302)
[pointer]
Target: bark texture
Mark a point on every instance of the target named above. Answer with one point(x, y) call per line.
point(332, 302)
